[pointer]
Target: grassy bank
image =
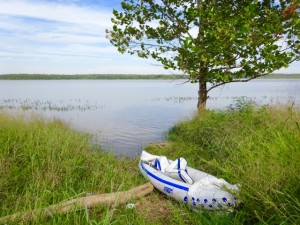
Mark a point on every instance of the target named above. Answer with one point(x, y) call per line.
point(260, 149)
point(45, 162)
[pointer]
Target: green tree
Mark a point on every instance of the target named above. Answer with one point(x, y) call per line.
point(212, 41)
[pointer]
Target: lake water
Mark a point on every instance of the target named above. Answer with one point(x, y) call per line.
point(125, 115)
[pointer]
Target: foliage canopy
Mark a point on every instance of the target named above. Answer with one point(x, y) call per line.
point(212, 41)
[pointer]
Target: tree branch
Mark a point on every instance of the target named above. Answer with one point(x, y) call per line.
point(112, 199)
point(236, 81)
point(176, 20)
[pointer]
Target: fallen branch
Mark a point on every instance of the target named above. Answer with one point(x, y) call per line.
point(112, 199)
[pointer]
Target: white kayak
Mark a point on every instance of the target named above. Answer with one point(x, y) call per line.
point(185, 184)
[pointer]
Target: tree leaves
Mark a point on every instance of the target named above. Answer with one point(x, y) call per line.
point(216, 41)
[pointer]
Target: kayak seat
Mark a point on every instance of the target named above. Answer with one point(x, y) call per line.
point(161, 163)
point(177, 170)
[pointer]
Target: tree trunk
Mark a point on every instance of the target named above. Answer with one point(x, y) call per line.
point(202, 95)
point(203, 68)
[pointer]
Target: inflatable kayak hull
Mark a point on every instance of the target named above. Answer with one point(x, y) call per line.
point(206, 192)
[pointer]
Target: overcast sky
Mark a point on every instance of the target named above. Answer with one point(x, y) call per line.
point(66, 37)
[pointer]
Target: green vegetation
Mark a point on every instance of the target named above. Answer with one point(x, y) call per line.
point(260, 149)
point(44, 162)
point(89, 77)
point(281, 76)
point(43, 105)
point(215, 42)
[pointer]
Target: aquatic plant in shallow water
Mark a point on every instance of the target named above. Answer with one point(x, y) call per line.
point(80, 105)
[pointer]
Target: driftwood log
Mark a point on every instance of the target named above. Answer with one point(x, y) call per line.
point(112, 199)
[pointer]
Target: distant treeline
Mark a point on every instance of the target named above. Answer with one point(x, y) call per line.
point(118, 77)
point(90, 77)
point(281, 76)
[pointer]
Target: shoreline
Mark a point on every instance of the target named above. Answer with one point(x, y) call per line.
point(46, 162)
point(119, 77)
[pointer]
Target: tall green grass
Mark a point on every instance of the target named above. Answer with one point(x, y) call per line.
point(258, 148)
point(45, 162)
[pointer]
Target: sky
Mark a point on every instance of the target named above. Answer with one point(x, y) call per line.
point(67, 37)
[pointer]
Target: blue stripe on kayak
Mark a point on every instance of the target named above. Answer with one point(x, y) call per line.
point(179, 173)
point(180, 176)
point(164, 181)
point(158, 163)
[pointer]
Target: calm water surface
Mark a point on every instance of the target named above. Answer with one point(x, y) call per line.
point(125, 115)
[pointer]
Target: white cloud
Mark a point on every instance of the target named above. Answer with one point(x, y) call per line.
point(63, 37)
point(60, 12)
point(57, 37)
point(60, 37)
